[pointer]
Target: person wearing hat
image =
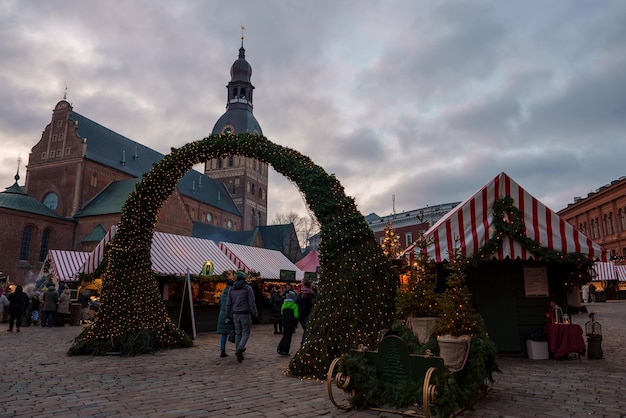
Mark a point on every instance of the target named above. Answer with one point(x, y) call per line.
point(50, 299)
point(35, 303)
point(239, 308)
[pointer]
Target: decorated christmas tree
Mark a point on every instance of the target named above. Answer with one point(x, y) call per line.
point(457, 316)
point(418, 297)
point(391, 242)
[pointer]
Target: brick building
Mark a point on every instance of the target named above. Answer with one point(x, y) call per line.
point(80, 173)
point(601, 215)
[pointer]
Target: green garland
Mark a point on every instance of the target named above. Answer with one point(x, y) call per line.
point(356, 289)
point(508, 221)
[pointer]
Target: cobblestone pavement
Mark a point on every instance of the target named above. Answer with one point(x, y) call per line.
point(39, 379)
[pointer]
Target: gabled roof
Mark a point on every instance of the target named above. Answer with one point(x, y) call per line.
point(96, 234)
point(471, 224)
point(275, 237)
point(310, 262)
point(217, 234)
point(113, 150)
point(110, 199)
point(15, 198)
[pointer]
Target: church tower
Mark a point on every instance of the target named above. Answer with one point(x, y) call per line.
point(245, 178)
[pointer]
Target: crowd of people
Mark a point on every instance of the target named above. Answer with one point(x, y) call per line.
point(289, 308)
point(47, 306)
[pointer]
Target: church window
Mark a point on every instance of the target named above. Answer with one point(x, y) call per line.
point(235, 92)
point(242, 93)
point(45, 239)
point(236, 181)
point(25, 247)
point(252, 188)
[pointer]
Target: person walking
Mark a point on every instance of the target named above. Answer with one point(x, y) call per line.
point(592, 292)
point(18, 302)
point(290, 320)
point(63, 308)
point(50, 298)
point(276, 302)
point(305, 304)
point(225, 326)
point(239, 309)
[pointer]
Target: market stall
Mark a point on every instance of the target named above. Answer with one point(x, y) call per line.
point(518, 244)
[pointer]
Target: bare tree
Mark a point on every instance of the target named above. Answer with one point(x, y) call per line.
point(305, 227)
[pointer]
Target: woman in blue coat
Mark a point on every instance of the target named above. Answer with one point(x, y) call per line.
point(225, 327)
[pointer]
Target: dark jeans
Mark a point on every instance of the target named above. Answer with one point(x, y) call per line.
point(47, 318)
point(285, 343)
point(15, 318)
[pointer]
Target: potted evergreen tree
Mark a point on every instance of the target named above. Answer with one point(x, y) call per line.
point(458, 321)
point(417, 301)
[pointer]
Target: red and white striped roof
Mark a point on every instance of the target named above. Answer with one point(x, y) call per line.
point(267, 262)
point(65, 265)
point(173, 254)
point(607, 271)
point(96, 256)
point(469, 226)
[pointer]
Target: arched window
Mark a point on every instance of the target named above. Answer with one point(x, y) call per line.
point(45, 239)
point(253, 217)
point(231, 161)
point(622, 219)
point(24, 249)
point(235, 93)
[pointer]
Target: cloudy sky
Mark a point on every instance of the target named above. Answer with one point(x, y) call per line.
point(424, 100)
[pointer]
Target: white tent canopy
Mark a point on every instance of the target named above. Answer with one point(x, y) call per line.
point(268, 263)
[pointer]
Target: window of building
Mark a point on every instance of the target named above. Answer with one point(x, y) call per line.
point(54, 138)
point(219, 163)
point(59, 153)
point(248, 187)
point(252, 188)
point(43, 251)
point(25, 247)
point(52, 154)
point(67, 151)
point(94, 180)
point(231, 161)
point(622, 219)
point(60, 137)
point(236, 181)
point(408, 239)
point(43, 155)
point(59, 123)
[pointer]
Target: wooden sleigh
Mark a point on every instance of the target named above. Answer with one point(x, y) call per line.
point(393, 362)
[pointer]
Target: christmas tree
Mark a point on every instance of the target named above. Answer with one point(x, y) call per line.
point(391, 242)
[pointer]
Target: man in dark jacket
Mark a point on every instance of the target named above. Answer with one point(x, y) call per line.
point(19, 301)
point(239, 308)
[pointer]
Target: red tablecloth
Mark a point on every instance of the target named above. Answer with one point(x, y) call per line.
point(564, 339)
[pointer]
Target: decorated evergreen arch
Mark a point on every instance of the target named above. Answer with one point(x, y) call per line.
point(356, 290)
